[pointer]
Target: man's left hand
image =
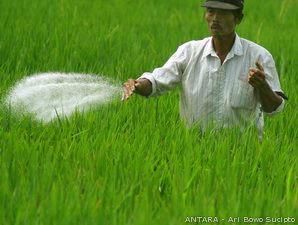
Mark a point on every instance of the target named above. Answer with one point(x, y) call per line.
point(268, 98)
point(256, 76)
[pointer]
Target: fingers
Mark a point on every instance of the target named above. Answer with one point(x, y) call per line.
point(256, 78)
point(252, 71)
point(255, 81)
point(257, 72)
point(252, 74)
point(259, 66)
point(128, 89)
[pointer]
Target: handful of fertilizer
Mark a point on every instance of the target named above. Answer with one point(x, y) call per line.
point(50, 95)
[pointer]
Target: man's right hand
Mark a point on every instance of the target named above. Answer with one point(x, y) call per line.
point(128, 88)
point(140, 86)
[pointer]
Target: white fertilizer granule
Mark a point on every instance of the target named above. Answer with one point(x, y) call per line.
point(49, 95)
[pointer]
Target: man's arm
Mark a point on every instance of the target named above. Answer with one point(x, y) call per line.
point(162, 79)
point(269, 99)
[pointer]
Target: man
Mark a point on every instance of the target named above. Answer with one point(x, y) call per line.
point(225, 80)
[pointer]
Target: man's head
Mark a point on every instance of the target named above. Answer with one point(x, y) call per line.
point(222, 16)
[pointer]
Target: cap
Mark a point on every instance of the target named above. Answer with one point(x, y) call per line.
point(224, 4)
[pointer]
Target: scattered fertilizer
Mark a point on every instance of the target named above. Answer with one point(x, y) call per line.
point(51, 95)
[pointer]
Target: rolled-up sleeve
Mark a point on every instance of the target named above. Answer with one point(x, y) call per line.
point(169, 75)
point(278, 109)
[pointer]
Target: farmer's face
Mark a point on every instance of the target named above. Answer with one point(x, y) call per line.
point(221, 22)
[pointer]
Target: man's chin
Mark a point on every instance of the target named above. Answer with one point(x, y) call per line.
point(220, 35)
point(216, 34)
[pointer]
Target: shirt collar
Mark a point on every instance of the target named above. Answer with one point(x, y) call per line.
point(237, 48)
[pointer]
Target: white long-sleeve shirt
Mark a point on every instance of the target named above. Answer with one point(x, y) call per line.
point(215, 93)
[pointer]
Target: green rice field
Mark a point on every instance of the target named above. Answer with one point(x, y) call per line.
point(136, 163)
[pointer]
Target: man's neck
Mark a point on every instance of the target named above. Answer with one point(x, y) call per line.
point(223, 44)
